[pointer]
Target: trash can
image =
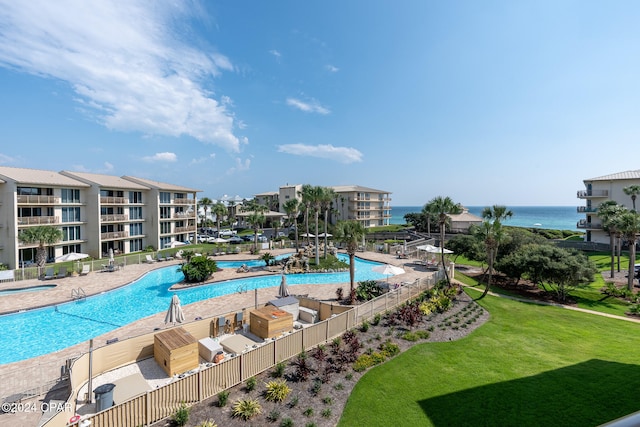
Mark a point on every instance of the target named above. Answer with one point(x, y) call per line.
point(104, 396)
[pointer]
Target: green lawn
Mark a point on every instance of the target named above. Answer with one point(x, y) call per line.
point(528, 365)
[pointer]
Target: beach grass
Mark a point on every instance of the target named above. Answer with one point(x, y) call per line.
point(529, 365)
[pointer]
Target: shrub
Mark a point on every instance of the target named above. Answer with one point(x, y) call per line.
point(303, 368)
point(326, 413)
point(273, 416)
point(246, 409)
point(182, 415)
point(363, 362)
point(317, 385)
point(308, 412)
point(423, 335)
point(368, 290)
point(251, 383)
point(327, 400)
point(286, 422)
point(339, 386)
point(410, 336)
point(198, 269)
point(223, 398)
point(348, 377)
point(293, 402)
point(376, 319)
point(389, 348)
point(311, 424)
point(365, 326)
point(277, 391)
point(278, 371)
point(378, 358)
point(207, 423)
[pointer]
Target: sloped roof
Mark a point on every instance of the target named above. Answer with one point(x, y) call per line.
point(633, 174)
point(38, 177)
point(106, 181)
point(356, 188)
point(160, 185)
point(465, 217)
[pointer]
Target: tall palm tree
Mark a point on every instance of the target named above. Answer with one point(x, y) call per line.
point(633, 191)
point(629, 224)
point(205, 203)
point(256, 217)
point(442, 207)
point(316, 202)
point(326, 200)
point(492, 233)
point(351, 233)
point(219, 210)
point(43, 235)
point(292, 209)
point(610, 212)
point(306, 195)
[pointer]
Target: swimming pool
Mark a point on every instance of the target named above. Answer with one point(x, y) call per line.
point(29, 289)
point(46, 330)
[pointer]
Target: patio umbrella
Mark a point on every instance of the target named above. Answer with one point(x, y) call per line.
point(307, 235)
point(174, 314)
point(174, 244)
point(220, 240)
point(111, 259)
point(72, 256)
point(324, 235)
point(388, 270)
point(284, 289)
point(432, 249)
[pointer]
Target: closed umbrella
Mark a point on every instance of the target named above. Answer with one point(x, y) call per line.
point(388, 270)
point(174, 314)
point(72, 256)
point(284, 289)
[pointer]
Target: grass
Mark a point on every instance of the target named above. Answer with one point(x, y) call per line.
point(528, 365)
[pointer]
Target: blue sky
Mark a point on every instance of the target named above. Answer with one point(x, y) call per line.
point(486, 102)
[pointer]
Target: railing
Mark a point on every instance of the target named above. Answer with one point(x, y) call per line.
point(588, 225)
point(582, 209)
point(105, 200)
point(114, 235)
point(32, 220)
point(592, 193)
point(39, 200)
point(184, 215)
point(185, 229)
point(184, 201)
point(114, 217)
point(162, 402)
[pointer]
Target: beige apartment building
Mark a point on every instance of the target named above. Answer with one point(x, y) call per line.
point(95, 213)
point(598, 190)
point(371, 207)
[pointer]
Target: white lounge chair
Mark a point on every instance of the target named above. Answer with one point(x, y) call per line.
point(86, 269)
point(149, 260)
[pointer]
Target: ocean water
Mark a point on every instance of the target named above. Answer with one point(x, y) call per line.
point(551, 217)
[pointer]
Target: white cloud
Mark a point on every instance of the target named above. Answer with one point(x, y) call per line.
point(124, 60)
point(240, 166)
point(275, 53)
point(308, 107)
point(161, 157)
point(339, 154)
point(331, 68)
point(202, 159)
point(4, 159)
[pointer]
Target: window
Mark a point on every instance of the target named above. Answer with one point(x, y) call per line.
point(70, 233)
point(179, 196)
point(70, 214)
point(165, 227)
point(165, 212)
point(135, 213)
point(135, 229)
point(26, 212)
point(135, 197)
point(165, 197)
point(164, 241)
point(69, 195)
point(135, 245)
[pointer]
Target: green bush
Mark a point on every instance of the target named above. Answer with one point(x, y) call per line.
point(410, 336)
point(246, 409)
point(308, 412)
point(365, 326)
point(223, 398)
point(182, 415)
point(277, 391)
point(286, 422)
point(327, 400)
point(326, 413)
point(273, 416)
point(293, 402)
point(363, 362)
point(207, 423)
point(198, 269)
point(389, 348)
point(251, 383)
point(278, 372)
point(423, 335)
point(368, 290)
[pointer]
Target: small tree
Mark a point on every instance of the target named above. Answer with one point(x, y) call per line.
point(43, 235)
point(198, 269)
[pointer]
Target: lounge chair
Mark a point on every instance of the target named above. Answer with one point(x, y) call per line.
point(49, 273)
point(149, 260)
point(160, 258)
point(169, 257)
point(86, 269)
point(62, 272)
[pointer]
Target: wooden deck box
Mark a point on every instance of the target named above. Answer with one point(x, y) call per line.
point(176, 351)
point(270, 321)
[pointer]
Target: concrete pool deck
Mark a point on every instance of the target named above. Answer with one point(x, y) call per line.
point(27, 374)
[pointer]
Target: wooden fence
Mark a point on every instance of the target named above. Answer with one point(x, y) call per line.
point(163, 402)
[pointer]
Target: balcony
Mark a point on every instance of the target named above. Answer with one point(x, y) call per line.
point(587, 209)
point(114, 235)
point(38, 200)
point(114, 218)
point(105, 200)
point(586, 194)
point(185, 229)
point(184, 201)
point(585, 225)
point(38, 220)
point(184, 215)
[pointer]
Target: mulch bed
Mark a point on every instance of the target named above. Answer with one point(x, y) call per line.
point(320, 400)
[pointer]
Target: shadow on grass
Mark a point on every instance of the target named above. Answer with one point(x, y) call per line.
point(586, 394)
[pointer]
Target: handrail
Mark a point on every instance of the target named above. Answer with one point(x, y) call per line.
point(77, 294)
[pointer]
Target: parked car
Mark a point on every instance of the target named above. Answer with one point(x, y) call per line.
point(227, 233)
point(235, 240)
point(262, 238)
point(247, 238)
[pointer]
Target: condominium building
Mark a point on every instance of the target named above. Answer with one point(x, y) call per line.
point(598, 190)
point(95, 213)
point(371, 207)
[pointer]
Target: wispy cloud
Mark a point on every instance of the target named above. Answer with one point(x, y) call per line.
point(240, 166)
point(275, 53)
point(161, 157)
point(308, 106)
point(202, 159)
point(331, 68)
point(338, 154)
point(4, 159)
point(106, 168)
point(125, 61)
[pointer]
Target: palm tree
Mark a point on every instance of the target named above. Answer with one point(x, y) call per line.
point(633, 191)
point(492, 233)
point(610, 212)
point(629, 225)
point(442, 207)
point(306, 194)
point(316, 201)
point(256, 218)
point(219, 210)
point(205, 203)
point(351, 233)
point(326, 200)
point(43, 235)
point(292, 208)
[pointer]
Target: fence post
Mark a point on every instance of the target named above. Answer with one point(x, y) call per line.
point(147, 411)
point(199, 386)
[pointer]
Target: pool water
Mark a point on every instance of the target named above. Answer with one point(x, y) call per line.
point(29, 289)
point(46, 330)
